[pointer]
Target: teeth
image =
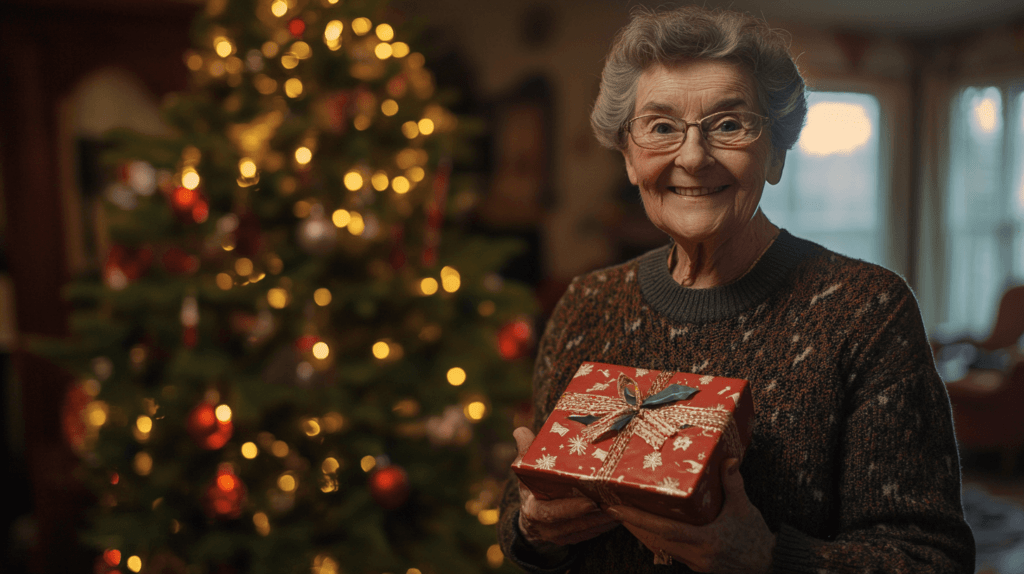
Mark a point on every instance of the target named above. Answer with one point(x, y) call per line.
point(696, 191)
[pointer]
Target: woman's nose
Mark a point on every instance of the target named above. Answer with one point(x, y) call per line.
point(694, 154)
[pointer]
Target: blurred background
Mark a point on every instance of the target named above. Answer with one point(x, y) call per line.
point(912, 158)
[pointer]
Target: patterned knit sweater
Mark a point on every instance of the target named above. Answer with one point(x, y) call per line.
point(853, 462)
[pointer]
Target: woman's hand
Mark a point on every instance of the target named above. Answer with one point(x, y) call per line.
point(550, 524)
point(737, 541)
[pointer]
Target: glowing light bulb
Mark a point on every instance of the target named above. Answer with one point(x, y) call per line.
point(475, 410)
point(286, 482)
point(249, 450)
point(361, 26)
point(428, 285)
point(410, 129)
point(353, 181)
point(333, 30)
point(381, 350)
point(144, 424)
point(401, 185)
point(456, 376)
point(322, 296)
point(367, 463)
point(341, 218)
point(303, 155)
point(356, 225)
point(399, 50)
point(321, 350)
point(243, 266)
point(223, 46)
point(450, 279)
point(247, 167)
point(293, 87)
point(385, 32)
point(426, 126)
point(223, 413)
point(379, 181)
point(279, 8)
point(382, 51)
point(189, 178)
point(389, 107)
point(277, 298)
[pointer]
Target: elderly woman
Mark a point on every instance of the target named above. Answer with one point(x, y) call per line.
point(853, 465)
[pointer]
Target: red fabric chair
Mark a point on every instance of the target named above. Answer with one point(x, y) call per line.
point(988, 405)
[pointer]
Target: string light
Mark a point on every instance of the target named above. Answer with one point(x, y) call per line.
point(277, 298)
point(341, 218)
point(379, 181)
point(456, 376)
point(385, 32)
point(223, 413)
point(303, 155)
point(450, 279)
point(322, 296)
point(382, 51)
point(243, 266)
point(321, 350)
point(389, 107)
point(381, 350)
point(426, 126)
point(279, 8)
point(367, 463)
point(262, 523)
point(189, 178)
point(356, 225)
point(353, 181)
point(361, 26)
point(410, 129)
point(247, 167)
point(428, 285)
point(250, 450)
point(223, 46)
point(399, 50)
point(289, 61)
point(293, 87)
point(401, 185)
point(134, 563)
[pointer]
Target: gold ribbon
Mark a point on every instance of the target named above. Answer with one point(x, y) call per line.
point(653, 425)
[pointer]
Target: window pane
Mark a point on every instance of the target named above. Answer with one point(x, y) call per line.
point(829, 188)
point(984, 207)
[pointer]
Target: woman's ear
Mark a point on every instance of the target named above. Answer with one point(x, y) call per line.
point(777, 162)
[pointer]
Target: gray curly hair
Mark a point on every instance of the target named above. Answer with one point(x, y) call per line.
point(692, 32)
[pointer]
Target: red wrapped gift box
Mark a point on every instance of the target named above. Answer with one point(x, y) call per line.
point(654, 440)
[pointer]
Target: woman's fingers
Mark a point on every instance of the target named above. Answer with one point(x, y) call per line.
point(524, 438)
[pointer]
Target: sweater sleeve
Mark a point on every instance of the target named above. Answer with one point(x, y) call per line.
point(547, 373)
point(899, 488)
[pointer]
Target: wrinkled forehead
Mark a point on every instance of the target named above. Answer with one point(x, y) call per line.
point(695, 88)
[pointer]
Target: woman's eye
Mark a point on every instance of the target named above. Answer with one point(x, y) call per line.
point(726, 125)
point(662, 128)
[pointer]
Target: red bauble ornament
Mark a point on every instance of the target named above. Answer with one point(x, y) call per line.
point(125, 264)
point(178, 261)
point(189, 205)
point(389, 487)
point(297, 27)
point(226, 496)
point(515, 340)
point(206, 429)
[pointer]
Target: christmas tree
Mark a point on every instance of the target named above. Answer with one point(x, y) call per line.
point(291, 359)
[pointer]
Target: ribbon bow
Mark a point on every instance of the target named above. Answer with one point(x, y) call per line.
point(609, 414)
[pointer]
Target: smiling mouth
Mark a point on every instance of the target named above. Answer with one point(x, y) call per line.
point(696, 191)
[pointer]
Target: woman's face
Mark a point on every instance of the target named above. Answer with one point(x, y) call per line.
point(698, 193)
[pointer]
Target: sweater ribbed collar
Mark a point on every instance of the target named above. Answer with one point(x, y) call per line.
point(687, 305)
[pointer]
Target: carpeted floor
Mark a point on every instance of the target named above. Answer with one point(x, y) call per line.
point(997, 517)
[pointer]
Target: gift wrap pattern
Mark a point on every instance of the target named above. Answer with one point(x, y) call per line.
point(650, 439)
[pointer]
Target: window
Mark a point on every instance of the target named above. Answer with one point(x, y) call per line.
point(984, 206)
point(829, 191)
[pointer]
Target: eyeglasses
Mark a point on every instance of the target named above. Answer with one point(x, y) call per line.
point(728, 129)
